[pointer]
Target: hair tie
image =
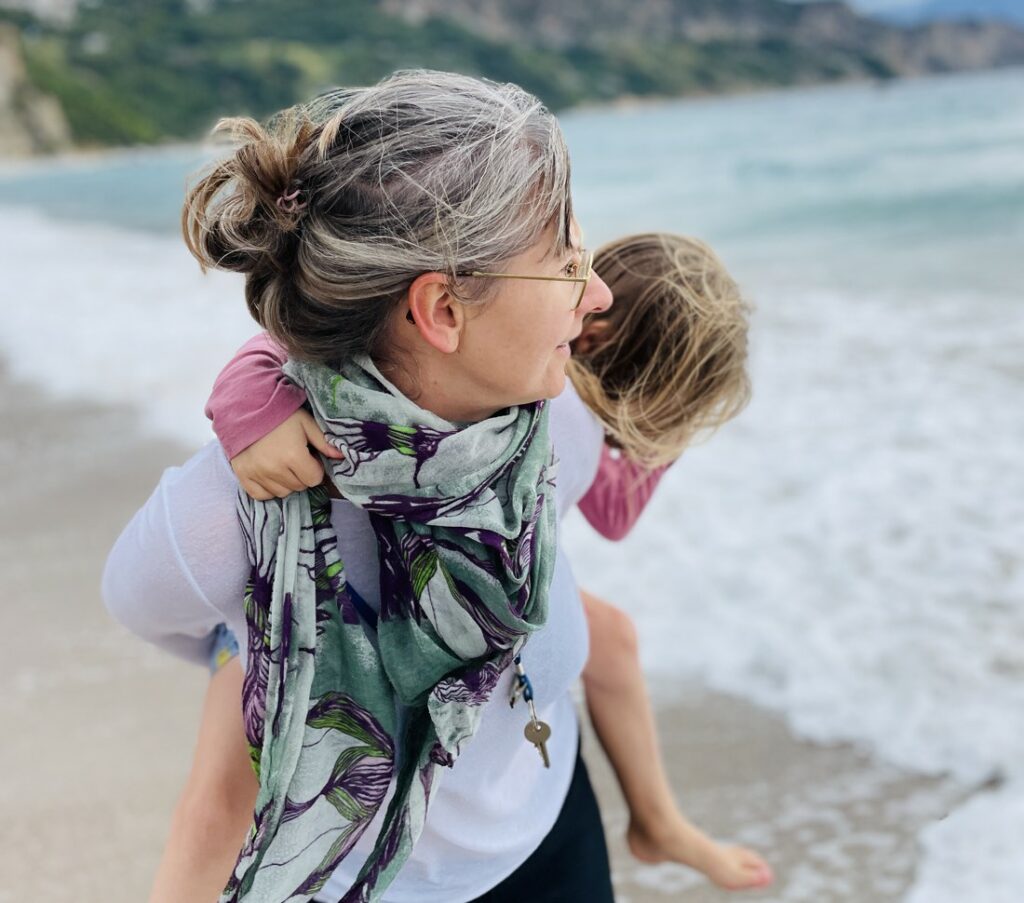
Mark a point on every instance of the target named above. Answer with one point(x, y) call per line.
point(289, 201)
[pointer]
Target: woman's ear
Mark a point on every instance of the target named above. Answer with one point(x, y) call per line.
point(435, 312)
point(594, 334)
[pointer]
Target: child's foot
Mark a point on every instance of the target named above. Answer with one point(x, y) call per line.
point(731, 868)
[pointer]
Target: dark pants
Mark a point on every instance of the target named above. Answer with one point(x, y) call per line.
point(571, 863)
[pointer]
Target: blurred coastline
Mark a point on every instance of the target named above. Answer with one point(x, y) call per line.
point(112, 72)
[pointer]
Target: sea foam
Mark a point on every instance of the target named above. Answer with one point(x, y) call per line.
point(98, 313)
point(848, 552)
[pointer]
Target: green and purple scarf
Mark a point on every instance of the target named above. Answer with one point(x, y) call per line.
point(335, 711)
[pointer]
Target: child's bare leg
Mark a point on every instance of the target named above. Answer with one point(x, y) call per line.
point(215, 808)
point(623, 719)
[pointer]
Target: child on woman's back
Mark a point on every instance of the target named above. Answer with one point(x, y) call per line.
point(665, 363)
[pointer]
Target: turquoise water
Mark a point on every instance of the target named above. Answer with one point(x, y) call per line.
point(862, 182)
point(859, 182)
point(130, 189)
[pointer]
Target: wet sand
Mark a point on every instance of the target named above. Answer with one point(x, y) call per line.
point(98, 727)
point(834, 824)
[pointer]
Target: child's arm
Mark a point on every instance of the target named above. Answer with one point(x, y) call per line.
point(258, 417)
point(251, 396)
point(619, 494)
point(215, 808)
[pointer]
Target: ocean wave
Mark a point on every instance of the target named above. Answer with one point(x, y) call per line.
point(98, 313)
point(849, 551)
point(974, 853)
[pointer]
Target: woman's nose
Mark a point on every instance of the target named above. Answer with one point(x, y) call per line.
point(597, 297)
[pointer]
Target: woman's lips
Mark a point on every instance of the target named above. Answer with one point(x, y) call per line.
point(565, 348)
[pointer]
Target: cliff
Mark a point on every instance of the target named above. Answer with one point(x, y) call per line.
point(813, 28)
point(30, 122)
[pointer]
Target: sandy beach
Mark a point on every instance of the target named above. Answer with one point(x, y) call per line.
point(98, 727)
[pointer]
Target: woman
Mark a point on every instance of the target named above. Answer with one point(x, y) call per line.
point(416, 236)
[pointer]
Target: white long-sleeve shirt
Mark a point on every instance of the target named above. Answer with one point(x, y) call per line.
point(179, 569)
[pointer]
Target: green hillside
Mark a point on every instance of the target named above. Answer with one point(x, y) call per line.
point(129, 73)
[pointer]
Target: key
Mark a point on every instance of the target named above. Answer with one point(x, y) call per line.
point(537, 732)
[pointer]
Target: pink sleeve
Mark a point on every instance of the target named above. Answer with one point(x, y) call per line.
point(619, 494)
point(251, 396)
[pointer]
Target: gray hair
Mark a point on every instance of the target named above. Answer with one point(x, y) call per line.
point(336, 206)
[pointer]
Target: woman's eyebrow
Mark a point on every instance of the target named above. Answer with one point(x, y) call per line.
point(574, 247)
point(553, 253)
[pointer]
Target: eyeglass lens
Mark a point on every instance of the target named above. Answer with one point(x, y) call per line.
point(586, 268)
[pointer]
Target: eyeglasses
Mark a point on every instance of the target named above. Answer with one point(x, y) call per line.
point(582, 278)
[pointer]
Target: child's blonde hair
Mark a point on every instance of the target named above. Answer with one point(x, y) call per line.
point(672, 361)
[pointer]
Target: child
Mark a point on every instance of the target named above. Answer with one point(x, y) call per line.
point(663, 364)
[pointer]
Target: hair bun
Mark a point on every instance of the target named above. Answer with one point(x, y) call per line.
point(241, 214)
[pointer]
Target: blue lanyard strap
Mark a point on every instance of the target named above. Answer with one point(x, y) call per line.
point(521, 682)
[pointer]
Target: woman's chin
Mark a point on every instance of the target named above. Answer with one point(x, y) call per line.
point(551, 385)
point(556, 384)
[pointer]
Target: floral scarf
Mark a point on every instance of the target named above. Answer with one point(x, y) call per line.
point(337, 712)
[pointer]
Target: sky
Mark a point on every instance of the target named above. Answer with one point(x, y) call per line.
point(989, 8)
point(875, 6)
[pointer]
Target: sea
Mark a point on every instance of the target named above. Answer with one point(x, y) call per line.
point(848, 552)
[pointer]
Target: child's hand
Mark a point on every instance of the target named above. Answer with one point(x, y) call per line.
point(280, 463)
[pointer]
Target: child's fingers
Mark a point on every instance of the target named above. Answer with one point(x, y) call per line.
point(315, 437)
point(306, 470)
point(294, 483)
point(277, 489)
point(255, 490)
